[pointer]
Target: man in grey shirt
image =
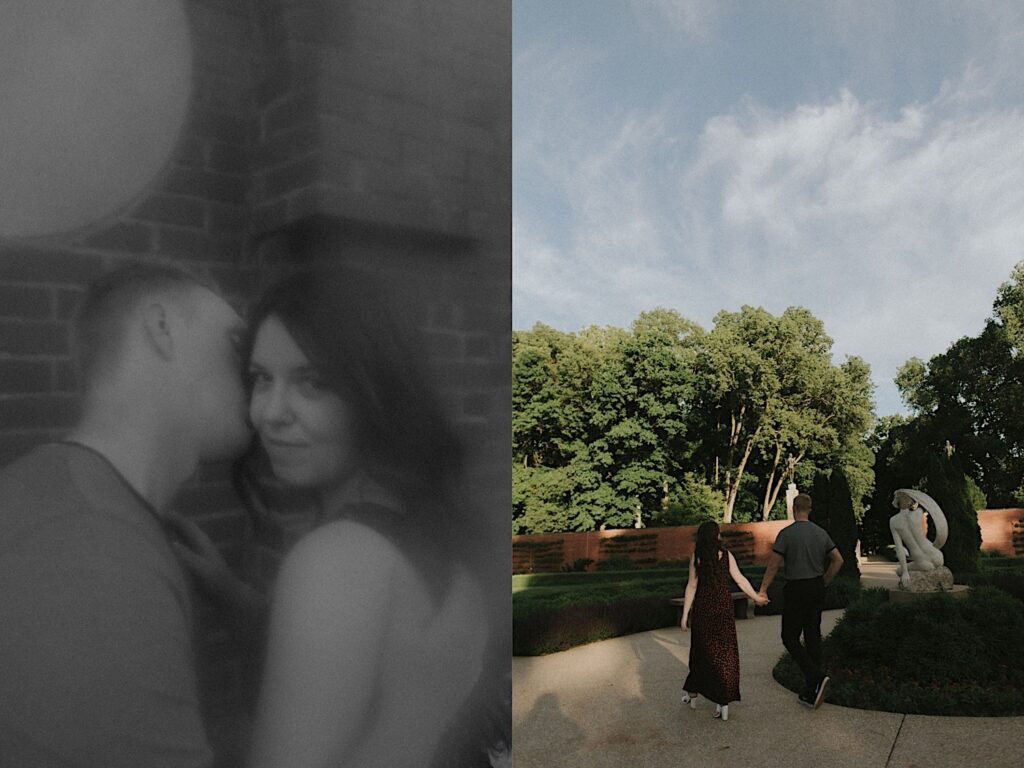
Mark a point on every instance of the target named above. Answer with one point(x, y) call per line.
point(802, 549)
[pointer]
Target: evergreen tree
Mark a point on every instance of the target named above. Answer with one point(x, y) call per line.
point(832, 509)
point(946, 482)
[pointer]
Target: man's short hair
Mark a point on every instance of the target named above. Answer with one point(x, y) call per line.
point(802, 503)
point(109, 301)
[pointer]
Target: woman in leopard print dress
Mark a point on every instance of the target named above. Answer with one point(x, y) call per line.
point(708, 613)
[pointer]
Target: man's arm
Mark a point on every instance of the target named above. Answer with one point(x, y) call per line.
point(774, 563)
point(835, 563)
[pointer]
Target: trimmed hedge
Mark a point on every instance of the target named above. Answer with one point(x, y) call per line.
point(529, 580)
point(936, 655)
point(556, 616)
point(1010, 581)
point(536, 632)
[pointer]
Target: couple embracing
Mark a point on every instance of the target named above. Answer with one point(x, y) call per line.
point(377, 646)
point(809, 559)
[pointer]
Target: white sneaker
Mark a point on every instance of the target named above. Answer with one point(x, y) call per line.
point(819, 694)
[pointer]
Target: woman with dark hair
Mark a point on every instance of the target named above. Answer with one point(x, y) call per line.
point(379, 649)
point(708, 611)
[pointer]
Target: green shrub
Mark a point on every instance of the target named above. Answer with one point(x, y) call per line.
point(580, 565)
point(521, 581)
point(694, 502)
point(996, 562)
point(617, 563)
point(935, 655)
point(833, 510)
point(1006, 580)
point(536, 632)
point(553, 612)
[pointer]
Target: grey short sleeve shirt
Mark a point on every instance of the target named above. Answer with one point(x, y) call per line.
point(804, 546)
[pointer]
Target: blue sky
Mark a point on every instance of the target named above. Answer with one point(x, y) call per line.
point(862, 159)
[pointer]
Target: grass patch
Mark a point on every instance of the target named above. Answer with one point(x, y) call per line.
point(556, 611)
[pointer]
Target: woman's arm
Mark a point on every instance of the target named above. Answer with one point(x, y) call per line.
point(691, 590)
point(743, 583)
point(331, 611)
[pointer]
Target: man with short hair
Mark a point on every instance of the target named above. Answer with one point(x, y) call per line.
point(96, 660)
point(802, 548)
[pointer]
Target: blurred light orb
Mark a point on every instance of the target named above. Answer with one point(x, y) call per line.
point(93, 96)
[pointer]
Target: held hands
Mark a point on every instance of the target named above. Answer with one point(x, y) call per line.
point(761, 599)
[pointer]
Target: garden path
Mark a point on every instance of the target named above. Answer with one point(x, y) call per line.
point(616, 703)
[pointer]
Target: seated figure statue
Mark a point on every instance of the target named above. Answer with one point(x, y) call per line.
point(908, 530)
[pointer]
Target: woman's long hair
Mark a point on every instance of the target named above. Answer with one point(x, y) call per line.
point(350, 326)
point(366, 347)
point(707, 551)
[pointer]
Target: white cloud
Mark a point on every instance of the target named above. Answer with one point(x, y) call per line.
point(893, 227)
point(697, 19)
point(895, 231)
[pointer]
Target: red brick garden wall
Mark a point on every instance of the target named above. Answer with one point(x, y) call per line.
point(1002, 531)
point(749, 542)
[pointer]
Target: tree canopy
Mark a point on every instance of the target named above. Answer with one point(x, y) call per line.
point(969, 397)
point(666, 422)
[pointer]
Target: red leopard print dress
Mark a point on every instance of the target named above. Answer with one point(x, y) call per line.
point(714, 654)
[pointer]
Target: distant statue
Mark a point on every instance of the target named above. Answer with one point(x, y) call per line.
point(908, 534)
point(791, 490)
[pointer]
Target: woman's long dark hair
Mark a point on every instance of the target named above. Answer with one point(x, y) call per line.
point(350, 327)
point(367, 349)
point(707, 551)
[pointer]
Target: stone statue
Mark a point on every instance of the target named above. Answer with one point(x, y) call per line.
point(924, 571)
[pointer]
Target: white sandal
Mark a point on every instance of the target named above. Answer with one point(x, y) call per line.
point(721, 712)
point(691, 700)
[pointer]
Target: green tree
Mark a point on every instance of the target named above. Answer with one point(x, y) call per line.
point(970, 396)
point(607, 408)
point(694, 502)
point(833, 510)
point(946, 482)
point(769, 398)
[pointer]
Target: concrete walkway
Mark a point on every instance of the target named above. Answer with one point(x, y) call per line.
point(616, 703)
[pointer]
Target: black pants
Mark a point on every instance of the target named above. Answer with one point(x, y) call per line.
point(801, 614)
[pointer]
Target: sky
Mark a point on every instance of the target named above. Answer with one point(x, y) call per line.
point(862, 159)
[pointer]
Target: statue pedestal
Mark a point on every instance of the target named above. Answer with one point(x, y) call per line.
point(937, 580)
point(926, 583)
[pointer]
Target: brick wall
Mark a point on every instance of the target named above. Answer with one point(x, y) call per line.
point(749, 542)
point(1002, 531)
point(377, 133)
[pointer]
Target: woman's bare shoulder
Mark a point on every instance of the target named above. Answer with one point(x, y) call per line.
point(339, 549)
